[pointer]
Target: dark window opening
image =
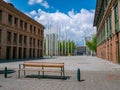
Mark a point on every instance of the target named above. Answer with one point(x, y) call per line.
point(30, 41)
point(0, 35)
point(30, 53)
point(34, 42)
point(21, 24)
point(25, 39)
point(24, 53)
point(10, 19)
point(31, 28)
point(38, 43)
point(16, 22)
point(15, 38)
point(34, 30)
point(38, 53)
point(9, 37)
point(14, 52)
point(20, 39)
point(20, 53)
point(41, 43)
point(0, 15)
point(25, 26)
point(8, 52)
point(33, 53)
point(38, 31)
point(116, 18)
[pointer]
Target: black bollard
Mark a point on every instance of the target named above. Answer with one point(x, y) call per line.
point(5, 72)
point(78, 74)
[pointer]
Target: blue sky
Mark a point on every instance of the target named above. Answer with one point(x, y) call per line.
point(75, 17)
point(61, 5)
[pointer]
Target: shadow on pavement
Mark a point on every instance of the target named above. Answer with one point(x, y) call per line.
point(29, 59)
point(81, 80)
point(8, 71)
point(48, 77)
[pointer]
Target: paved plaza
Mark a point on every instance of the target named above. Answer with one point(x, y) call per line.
point(96, 74)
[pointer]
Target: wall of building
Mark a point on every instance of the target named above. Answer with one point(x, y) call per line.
point(21, 37)
point(109, 42)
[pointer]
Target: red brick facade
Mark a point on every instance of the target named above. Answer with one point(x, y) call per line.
point(21, 37)
point(109, 47)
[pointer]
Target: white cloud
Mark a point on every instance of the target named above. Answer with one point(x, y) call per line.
point(31, 2)
point(76, 25)
point(45, 4)
point(41, 2)
point(33, 13)
point(7, 0)
point(71, 13)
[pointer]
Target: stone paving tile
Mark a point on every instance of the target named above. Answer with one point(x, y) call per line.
point(91, 81)
point(96, 74)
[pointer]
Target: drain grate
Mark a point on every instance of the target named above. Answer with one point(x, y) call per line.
point(113, 77)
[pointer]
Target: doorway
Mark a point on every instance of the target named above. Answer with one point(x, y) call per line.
point(8, 52)
point(14, 53)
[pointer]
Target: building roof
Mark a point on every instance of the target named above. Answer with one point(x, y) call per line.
point(97, 12)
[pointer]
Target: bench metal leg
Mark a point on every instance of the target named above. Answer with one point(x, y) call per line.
point(19, 71)
point(43, 72)
point(24, 70)
point(63, 72)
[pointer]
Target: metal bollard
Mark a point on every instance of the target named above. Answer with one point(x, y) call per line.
point(5, 72)
point(78, 74)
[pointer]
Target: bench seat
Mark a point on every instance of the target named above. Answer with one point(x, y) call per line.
point(42, 67)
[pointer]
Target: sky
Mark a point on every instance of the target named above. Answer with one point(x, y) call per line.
point(72, 19)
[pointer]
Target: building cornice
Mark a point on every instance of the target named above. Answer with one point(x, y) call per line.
point(97, 11)
point(19, 13)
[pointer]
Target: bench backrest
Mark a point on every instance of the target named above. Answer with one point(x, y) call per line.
point(43, 64)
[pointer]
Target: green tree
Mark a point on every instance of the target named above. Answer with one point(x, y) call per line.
point(66, 47)
point(92, 45)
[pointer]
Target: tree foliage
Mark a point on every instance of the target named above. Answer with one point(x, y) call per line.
point(66, 47)
point(92, 45)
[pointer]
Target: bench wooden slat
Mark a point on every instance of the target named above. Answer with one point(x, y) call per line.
point(41, 70)
point(43, 64)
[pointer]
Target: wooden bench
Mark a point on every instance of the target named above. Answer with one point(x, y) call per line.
point(41, 67)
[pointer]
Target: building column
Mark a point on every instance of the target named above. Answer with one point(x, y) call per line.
point(17, 46)
point(28, 47)
point(3, 43)
point(11, 45)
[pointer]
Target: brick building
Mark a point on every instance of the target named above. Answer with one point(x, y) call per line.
point(107, 21)
point(20, 36)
